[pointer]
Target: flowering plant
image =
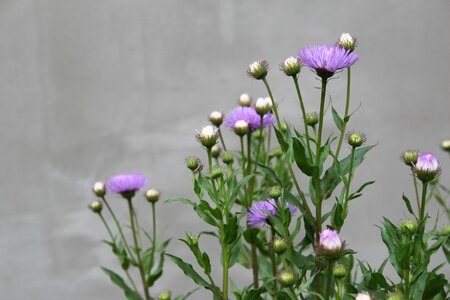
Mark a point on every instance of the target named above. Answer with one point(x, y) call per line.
point(270, 219)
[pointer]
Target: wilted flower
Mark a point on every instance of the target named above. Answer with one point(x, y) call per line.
point(208, 136)
point(446, 145)
point(327, 59)
point(99, 189)
point(96, 206)
point(291, 66)
point(126, 184)
point(259, 211)
point(410, 157)
point(245, 100)
point(347, 42)
point(152, 195)
point(286, 278)
point(356, 139)
point(216, 118)
point(263, 106)
point(258, 69)
point(249, 115)
point(363, 296)
point(427, 167)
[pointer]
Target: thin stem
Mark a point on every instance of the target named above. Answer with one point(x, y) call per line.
point(318, 146)
point(274, 263)
point(260, 141)
point(269, 134)
point(114, 241)
point(137, 249)
point(406, 275)
point(329, 283)
point(119, 228)
point(225, 270)
point(243, 155)
point(422, 208)
point(340, 290)
point(416, 189)
point(291, 172)
point(152, 261)
point(208, 150)
point(347, 106)
point(302, 106)
point(254, 262)
point(221, 140)
point(349, 180)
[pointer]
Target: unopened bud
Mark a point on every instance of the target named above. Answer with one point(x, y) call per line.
point(99, 189)
point(193, 163)
point(166, 295)
point(215, 151)
point(227, 158)
point(263, 106)
point(216, 172)
point(312, 119)
point(445, 231)
point(241, 128)
point(410, 157)
point(347, 42)
point(192, 240)
point(286, 278)
point(446, 145)
point(152, 195)
point(396, 296)
point(258, 69)
point(339, 270)
point(216, 118)
point(275, 192)
point(408, 226)
point(291, 66)
point(280, 245)
point(355, 139)
point(208, 136)
point(96, 206)
point(283, 127)
point(245, 100)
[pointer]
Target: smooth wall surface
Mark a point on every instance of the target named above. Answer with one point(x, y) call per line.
point(89, 89)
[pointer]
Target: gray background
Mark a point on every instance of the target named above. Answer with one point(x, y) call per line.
point(89, 89)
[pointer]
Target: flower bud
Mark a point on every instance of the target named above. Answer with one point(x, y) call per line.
point(280, 245)
point(96, 207)
point(446, 145)
point(410, 157)
point(216, 172)
point(291, 66)
point(275, 192)
point(99, 189)
point(347, 42)
point(363, 296)
point(355, 139)
point(445, 231)
point(312, 119)
point(216, 118)
point(286, 278)
point(395, 296)
point(339, 270)
point(427, 167)
point(166, 295)
point(263, 106)
point(408, 226)
point(152, 195)
point(283, 127)
point(227, 158)
point(193, 163)
point(215, 151)
point(245, 100)
point(241, 128)
point(192, 240)
point(208, 136)
point(258, 69)
point(330, 244)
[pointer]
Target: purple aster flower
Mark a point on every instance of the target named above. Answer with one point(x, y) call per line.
point(426, 167)
point(327, 59)
point(249, 115)
point(259, 211)
point(126, 184)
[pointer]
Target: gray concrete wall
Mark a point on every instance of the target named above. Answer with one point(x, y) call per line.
point(93, 88)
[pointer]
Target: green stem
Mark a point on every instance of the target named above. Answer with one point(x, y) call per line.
point(340, 290)
point(208, 150)
point(302, 106)
point(317, 175)
point(119, 228)
point(422, 209)
point(260, 141)
point(347, 188)
point(347, 106)
point(288, 162)
point(249, 168)
point(225, 270)
point(137, 249)
point(406, 275)
point(221, 140)
point(152, 261)
point(416, 189)
point(114, 241)
point(269, 134)
point(274, 263)
point(329, 284)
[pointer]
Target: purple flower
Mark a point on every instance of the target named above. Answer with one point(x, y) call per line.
point(126, 183)
point(330, 240)
point(259, 211)
point(249, 115)
point(327, 59)
point(426, 167)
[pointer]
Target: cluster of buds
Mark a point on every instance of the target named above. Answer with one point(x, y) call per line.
point(291, 66)
point(427, 167)
point(347, 42)
point(263, 105)
point(258, 69)
point(245, 100)
point(356, 139)
point(208, 136)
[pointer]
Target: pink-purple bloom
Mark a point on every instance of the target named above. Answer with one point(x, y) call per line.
point(330, 240)
point(126, 183)
point(426, 167)
point(327, 59)
point(249, 115)
point(260, 211)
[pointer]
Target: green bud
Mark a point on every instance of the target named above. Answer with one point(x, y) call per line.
point(241, 128)
point(410, 157)
point(408, 226)
point(99, 189)
point(258, 69)
point(445, 231)
point(275, 192)
point(339, 270)
point(283, 127)
point(193, 163)
point(245, 100)
point(96, 207)
point(208, 136)
point(286, 278)
point(291, 66)
point(215, 151)
point(396, 296)
point(280, 245)
point(216, 172)
point(355, 139)
point(446, 145)
point(216, 118)
point(166, 295)
point(347, 42)
point(312, 119)
point(152, 195)
point(192, 240)
point(227, 158)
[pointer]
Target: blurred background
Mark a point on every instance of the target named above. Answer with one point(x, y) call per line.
point(89, 89)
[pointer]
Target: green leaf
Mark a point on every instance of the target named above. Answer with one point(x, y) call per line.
point(301, 159)
point(408, 204)
point(117, 280)
point(158, 272)
point(180, 199)
point(284, 146)
point(337, 219)
point(189, 271)
point(268, 172)
point(337, 119)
